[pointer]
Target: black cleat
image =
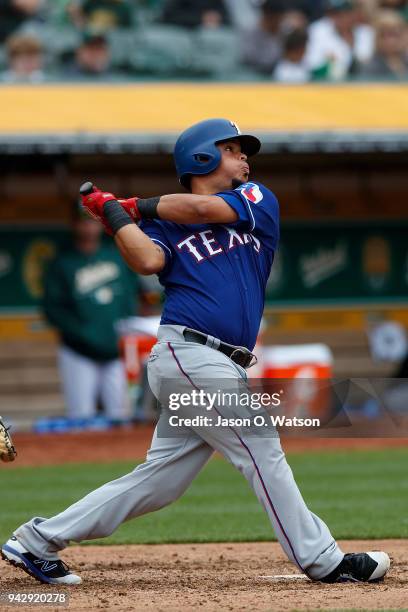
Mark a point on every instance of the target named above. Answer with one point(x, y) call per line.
point(360, 567)
point(43, 570)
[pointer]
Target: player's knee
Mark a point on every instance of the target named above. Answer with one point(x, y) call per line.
point(156, 490)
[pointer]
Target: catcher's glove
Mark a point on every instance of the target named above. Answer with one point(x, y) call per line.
point(7, 450)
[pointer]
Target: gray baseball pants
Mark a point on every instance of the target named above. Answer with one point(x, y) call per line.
point(173, 461)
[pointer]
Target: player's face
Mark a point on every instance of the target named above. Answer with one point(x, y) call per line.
point(234, 167)
point(87, 235)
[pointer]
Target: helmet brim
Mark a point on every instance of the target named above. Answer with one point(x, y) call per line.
point(250, 145)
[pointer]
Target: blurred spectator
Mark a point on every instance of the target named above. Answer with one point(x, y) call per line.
point(341, 42)
point(399, 5)
point(243, 14)
point(66, 13)
point(365, 10)
point(25, 58)
point(13, 13)
point(88, 288)
point(292, 67)
point(337, 40)
point(293, 19)
point(262, 46)
point(92, 59)
point(390, 60)
point(103, 15)
point(314, 9)
point(195, 13)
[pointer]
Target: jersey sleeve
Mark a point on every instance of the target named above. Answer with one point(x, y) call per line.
point(258, 212)
point(156, 233)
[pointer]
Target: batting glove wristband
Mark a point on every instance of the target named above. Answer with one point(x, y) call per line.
point(139, 208)
point(131, 207)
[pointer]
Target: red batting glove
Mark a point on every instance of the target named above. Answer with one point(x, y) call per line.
point(130, 206)
point(94, 203)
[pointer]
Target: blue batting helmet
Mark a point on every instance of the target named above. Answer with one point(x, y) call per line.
point(196, 152)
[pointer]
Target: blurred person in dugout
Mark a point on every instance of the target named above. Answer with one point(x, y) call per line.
point(88, 288)
point(390, 59)
point(25, 60)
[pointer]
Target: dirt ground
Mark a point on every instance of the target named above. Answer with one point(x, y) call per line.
point(211, 577)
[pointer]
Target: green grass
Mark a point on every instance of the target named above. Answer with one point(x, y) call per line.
point(359, 495)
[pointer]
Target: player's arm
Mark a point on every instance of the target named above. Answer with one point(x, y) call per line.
point(190, 208)
point(184, 208)
point(140, 253)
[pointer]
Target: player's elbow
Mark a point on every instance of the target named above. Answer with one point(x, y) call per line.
point(152, 262)
point(204, 209)
point(147, 268)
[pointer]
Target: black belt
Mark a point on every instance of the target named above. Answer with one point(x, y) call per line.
point(238, 354)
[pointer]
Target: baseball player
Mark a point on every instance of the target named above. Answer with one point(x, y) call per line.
point(213, 249)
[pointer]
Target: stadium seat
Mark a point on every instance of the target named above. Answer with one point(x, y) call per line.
point(57, 40)
point(216, 51)
point(163, 50)
point(122, 42)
